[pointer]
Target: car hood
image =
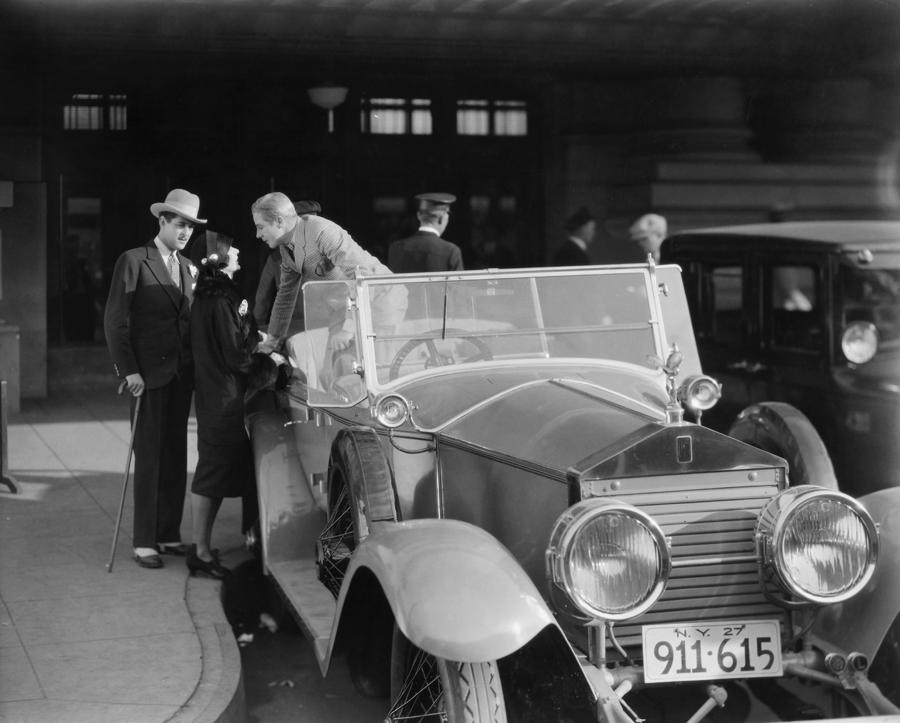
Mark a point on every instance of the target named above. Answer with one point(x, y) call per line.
point(556, 422)
point(575, 429)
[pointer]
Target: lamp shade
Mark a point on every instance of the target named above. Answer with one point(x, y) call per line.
point(327, 96)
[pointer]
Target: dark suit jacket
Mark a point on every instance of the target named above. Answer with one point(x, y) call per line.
point(570, 254)
point(424, 252)
point(147, 318)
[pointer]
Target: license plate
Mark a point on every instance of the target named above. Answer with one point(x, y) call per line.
point(708, 651)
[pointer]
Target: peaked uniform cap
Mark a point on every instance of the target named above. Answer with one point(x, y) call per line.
point(446, 198)
point(180, 202)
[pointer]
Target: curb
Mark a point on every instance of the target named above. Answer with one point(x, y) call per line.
point(219, 695)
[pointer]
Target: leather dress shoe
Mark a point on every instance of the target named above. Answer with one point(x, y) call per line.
point(152, 562)
point(213, 568)
point(179, 549)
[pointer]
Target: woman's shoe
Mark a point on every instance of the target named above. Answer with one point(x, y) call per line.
point(213, 568)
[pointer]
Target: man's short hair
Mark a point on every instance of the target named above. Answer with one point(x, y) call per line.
point(273, 205)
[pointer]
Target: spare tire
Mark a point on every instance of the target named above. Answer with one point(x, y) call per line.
point(784, 430)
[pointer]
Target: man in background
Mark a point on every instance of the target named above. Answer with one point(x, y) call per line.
point(425, 250)
point(648, 232)
point(582, 227)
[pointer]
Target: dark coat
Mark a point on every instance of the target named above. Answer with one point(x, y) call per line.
point(570, 254)
point(147, 318)
point(223, 335)
point(222, 338)
point(423, 252)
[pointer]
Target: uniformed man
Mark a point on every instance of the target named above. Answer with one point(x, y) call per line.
point(425, 250)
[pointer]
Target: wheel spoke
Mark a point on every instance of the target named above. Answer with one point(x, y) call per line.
point(336, 543)
point(422, 694)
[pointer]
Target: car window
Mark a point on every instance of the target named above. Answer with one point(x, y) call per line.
point(793, 299)
point(872, 294)
point(726, 299)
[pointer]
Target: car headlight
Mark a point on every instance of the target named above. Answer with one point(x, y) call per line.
point(859, 342)
point(822, 545)
point(392, 410)
point(609, 558)
point(699, 393)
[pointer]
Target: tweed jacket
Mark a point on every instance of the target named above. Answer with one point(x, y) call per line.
point(147, 317)
point(423, 252)
point(318, 249)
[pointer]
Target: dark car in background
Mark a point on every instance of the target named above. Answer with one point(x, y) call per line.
point(805, 314)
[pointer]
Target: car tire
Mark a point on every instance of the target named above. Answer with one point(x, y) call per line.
point(424, 687)
point(784, 430)
point(360, 492)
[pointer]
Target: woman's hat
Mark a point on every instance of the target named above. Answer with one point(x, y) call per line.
point(180, 202)
point(210, 242)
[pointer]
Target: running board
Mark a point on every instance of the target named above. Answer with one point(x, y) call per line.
point(310, 602)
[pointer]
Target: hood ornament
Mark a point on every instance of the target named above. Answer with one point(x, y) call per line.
point(671, 366)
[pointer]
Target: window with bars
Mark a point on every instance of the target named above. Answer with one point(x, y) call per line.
point(396, 116)
point(483, 117)
point(96, 112)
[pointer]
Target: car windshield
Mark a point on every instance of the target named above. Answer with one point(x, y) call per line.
point(410, 324)
point(873, 294)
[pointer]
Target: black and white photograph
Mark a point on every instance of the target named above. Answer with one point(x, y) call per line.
point(467, 361)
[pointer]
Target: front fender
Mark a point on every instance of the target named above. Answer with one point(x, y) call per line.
point(860, 624)
point(454, 590)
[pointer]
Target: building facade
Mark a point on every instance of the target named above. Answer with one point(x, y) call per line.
point(706, 112)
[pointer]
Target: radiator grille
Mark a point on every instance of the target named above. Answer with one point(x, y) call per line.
point(710, 516)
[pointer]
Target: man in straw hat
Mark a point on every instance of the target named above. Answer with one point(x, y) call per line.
point(425, 250)
point(147, 324)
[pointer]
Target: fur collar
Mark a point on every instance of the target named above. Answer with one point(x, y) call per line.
point(216, 285)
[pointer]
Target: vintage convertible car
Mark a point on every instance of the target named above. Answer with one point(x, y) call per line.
point(481, 488)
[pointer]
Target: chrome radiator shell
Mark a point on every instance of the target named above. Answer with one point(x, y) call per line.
point(709, 519)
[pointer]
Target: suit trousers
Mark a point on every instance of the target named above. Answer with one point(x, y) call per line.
point(160, 463)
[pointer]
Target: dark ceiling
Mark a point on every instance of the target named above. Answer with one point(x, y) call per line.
point(816, 37)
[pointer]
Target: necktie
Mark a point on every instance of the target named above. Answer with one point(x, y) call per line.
point(173, 270)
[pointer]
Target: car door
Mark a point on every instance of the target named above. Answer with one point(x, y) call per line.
point(721, 281)
point(796, 343)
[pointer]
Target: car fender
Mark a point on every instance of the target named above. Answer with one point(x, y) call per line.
point(454, 590)
point(860, 624)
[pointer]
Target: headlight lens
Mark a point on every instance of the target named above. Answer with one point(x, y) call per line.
point(392, 410)
point(610, 558)
point(859, 342)
point(700, 393)
point(821, 544)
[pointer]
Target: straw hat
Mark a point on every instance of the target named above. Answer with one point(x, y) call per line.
point(180, 202)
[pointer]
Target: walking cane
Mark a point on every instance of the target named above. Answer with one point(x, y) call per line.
point(134, 421)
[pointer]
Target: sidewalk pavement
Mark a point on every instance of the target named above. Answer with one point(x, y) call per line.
point(79, 643)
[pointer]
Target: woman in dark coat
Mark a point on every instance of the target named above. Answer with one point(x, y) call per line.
point(223, 335)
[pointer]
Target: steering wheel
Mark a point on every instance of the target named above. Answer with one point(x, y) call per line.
point(435, 358)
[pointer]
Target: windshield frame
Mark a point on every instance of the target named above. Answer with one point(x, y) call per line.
point(367, 334)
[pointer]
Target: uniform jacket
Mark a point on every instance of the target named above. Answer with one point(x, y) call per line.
point(147, 318)
point(223, 335)
point(423, 252)
point(318, 249)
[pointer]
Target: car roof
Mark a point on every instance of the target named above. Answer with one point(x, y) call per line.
point(842, 235)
